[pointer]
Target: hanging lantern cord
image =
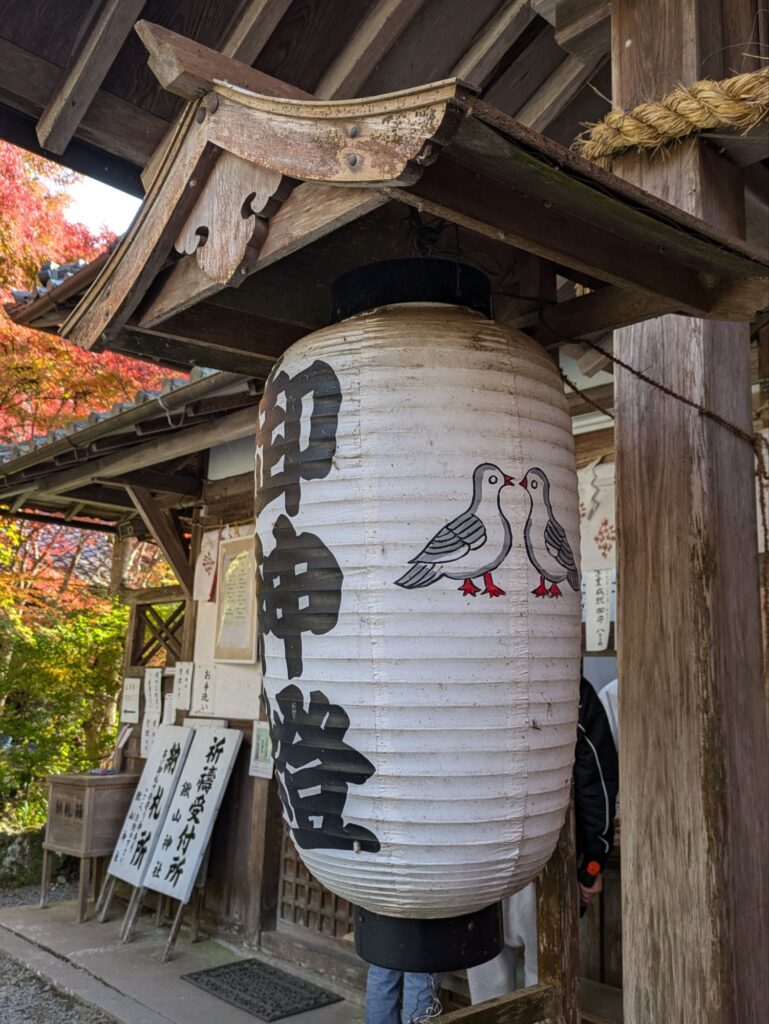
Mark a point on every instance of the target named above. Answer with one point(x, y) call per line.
point(757, 442)
point(435, 1010)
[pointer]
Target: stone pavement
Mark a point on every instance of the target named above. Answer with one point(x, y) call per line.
point(129, 982)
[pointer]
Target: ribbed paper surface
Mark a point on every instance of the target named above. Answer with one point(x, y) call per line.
point(466, 706)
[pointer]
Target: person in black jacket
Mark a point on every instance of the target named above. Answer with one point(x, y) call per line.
point(596, 781)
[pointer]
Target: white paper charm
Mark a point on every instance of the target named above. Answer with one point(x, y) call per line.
point(129, 707)
point(260, 765)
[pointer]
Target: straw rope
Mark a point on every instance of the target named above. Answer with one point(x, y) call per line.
point(739, 102)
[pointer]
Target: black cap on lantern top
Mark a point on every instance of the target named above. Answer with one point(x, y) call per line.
point(410, 280)
point(429, 945)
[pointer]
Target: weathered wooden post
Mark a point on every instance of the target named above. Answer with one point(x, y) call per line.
point(693, 780)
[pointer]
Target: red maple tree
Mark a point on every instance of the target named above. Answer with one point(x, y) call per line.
point(46, 382)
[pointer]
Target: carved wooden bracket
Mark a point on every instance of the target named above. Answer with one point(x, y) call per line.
point(230, 216)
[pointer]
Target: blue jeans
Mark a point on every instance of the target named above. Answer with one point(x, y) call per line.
point(383, 995)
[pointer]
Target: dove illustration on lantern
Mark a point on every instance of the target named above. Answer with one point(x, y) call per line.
point(546, 542)
point(472, 545)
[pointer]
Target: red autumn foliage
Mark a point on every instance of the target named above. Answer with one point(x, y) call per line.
point(46, 383)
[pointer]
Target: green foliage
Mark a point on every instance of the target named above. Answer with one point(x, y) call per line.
point(58, 688)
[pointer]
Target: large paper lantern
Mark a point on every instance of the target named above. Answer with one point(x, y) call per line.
point(417, 541)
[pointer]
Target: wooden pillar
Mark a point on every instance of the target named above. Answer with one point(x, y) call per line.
point(694, 764)
point(557, 924)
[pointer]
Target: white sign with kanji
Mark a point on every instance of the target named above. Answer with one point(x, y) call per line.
point(153, 691)
point(183, 685)
point(129, 707)
point(147, 812)
point(203, 689)
point(183, 839)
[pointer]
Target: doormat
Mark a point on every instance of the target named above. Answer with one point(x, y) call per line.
point(261, 990)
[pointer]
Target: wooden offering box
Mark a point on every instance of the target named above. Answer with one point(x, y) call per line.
point(85, 815)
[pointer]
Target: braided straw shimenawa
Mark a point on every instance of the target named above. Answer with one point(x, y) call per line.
point(739, 102)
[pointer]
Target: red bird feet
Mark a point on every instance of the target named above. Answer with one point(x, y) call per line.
point(491, 588)
point(469, 589)
point(542, 590)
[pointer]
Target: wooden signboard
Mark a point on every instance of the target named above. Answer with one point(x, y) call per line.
point(183, 839)
point(236, 603)
point(138, 837)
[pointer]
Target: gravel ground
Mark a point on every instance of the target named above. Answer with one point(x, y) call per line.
point(24, 998)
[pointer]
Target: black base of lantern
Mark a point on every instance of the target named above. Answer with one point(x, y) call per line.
point(430, 945)
point(410, 280)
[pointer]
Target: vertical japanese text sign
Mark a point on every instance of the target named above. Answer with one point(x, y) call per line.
point(146, 814)
point(190, 818)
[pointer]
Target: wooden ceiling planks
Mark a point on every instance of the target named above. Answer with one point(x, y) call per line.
point(112, 124)
point(130, 78)
point(95, 55)
point(251, 28)
point(372, 39)
point(309, 34)
point(433, 42)
point(528, 71)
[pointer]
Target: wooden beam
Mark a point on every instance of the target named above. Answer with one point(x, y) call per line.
point(253, 26)
point(152, 595)
point(166, 483)
point(110, 123)
point(183, 442)
point(65, 109)
point(693, 724)
point(229, 329)
point(593, 314)
point(526, 1006)
point(552, 98)
point(485, 53)
point(161, 525)
point(123, 282)
point(595, 444)
point(190, 69)
point(372, 39)
point(479, 203)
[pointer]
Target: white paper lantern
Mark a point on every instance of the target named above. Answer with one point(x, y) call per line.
point(423, 714)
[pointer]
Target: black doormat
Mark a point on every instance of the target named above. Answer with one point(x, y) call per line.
point(263, 991)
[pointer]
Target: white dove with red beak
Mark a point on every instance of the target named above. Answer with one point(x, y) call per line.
point(546, 542)
point(472, 545)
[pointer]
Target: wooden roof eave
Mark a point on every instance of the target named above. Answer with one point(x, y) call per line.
point(438, 148)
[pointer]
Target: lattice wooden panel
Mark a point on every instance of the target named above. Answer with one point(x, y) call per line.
point(304, 901)
point(157, 638)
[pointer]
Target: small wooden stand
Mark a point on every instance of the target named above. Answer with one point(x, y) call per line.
point(85, 815)
point(133, 910)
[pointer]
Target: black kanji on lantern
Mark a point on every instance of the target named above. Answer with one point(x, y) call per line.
point(281, 460)
point(314, 767)
point(300, 590)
